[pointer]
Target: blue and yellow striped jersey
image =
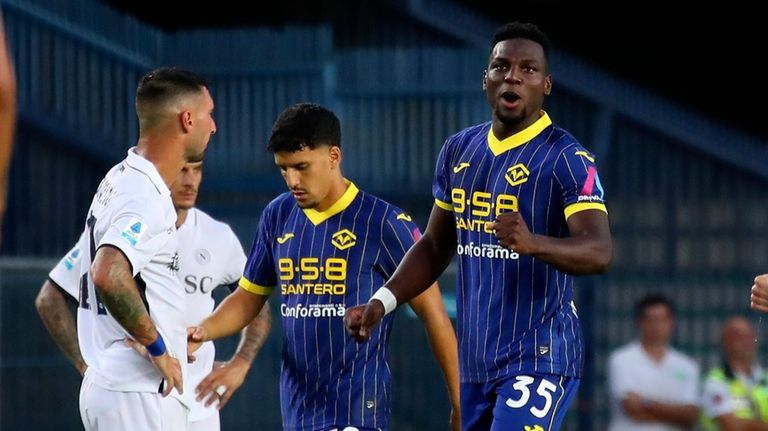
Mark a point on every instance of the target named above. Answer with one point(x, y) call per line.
point(515, 313)
point(323, 262)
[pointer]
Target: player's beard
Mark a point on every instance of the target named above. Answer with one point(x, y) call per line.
point(196, 153)
point(193, 156)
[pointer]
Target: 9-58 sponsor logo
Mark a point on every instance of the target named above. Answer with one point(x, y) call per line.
point(474, 210)
point(312, 276)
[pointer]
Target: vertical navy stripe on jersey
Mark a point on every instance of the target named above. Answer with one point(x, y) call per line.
point(516, 313)
point(322, 263)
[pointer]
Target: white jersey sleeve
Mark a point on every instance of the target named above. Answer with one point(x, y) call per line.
point(137, 229)
point(66, 273)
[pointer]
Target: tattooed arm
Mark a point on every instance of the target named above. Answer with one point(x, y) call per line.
point(55, 309)
point(113, 279)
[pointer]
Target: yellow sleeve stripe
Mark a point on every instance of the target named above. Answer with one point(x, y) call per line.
point(255, 288)
point(444, 205)
point(582, 206)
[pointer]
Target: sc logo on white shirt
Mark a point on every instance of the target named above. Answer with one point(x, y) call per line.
point(203, 285)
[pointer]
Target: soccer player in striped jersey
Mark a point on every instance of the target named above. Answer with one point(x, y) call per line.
point(519, 200)
point(326, 245)
point(210, 256)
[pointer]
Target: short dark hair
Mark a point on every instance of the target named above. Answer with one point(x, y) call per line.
point(521, 30)
point(165, 83)
point(649, 301)
point(304, 125)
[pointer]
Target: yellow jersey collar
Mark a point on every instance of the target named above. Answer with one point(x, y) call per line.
point(498, 147)
point(317, 217)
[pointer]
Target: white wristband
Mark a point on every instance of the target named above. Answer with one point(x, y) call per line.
point(387, 298)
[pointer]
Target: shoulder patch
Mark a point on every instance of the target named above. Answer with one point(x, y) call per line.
point(133, 231)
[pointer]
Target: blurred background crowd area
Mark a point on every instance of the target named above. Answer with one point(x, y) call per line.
point(683, 167)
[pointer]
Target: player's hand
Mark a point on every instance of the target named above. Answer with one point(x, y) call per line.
point(222, 382)
point(455, 422)
point(138, 347)
point(195, 339)
point(171, 370)
point(758, 300)
point(512, 232)
point(360, 320)
point(635, 406)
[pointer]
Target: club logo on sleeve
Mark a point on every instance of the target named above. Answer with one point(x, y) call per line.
point(534, 428)
point(517, 174)
point(72, 258)
point(592, 191)
point(284, 238)
point(344, 239)
point(404, 216)
point(460, 167)
point(133, 231)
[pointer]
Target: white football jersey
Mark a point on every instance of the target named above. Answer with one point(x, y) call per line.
point(66, 273)
point(132, 211)
point(210, 255)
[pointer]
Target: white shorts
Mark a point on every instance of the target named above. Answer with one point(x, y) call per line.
point(105, 410)
point(210, 423)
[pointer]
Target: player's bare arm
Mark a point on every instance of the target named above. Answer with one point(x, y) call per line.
point(53, 305)
point(588, 249)
point(7, 114)
point(113, 279)
point(222, 382)
point(759, 295)
point(420, 267)
point(682, 415)
point(430, 308)
point(729, 422)
point(237, 310)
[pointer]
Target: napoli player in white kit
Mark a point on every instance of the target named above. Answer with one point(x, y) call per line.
point(210, 256)
point(129, 284)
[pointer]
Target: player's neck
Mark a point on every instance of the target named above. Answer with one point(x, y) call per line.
point(740, 366)
point(181, 217)
point(338, 187)
point(166, 154)
point(655, 350)
point(503, 130)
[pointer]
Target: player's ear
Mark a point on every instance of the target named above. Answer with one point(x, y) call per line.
point(185, 118)
point(334, 152)
point(485, 79)
point(548, 85)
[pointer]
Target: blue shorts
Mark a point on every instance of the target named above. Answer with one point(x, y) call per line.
point(532, 402)
point(351, 428)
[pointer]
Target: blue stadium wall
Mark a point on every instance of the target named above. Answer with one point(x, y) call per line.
point(685, 194)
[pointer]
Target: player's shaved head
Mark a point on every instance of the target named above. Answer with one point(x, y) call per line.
point(165, 92)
